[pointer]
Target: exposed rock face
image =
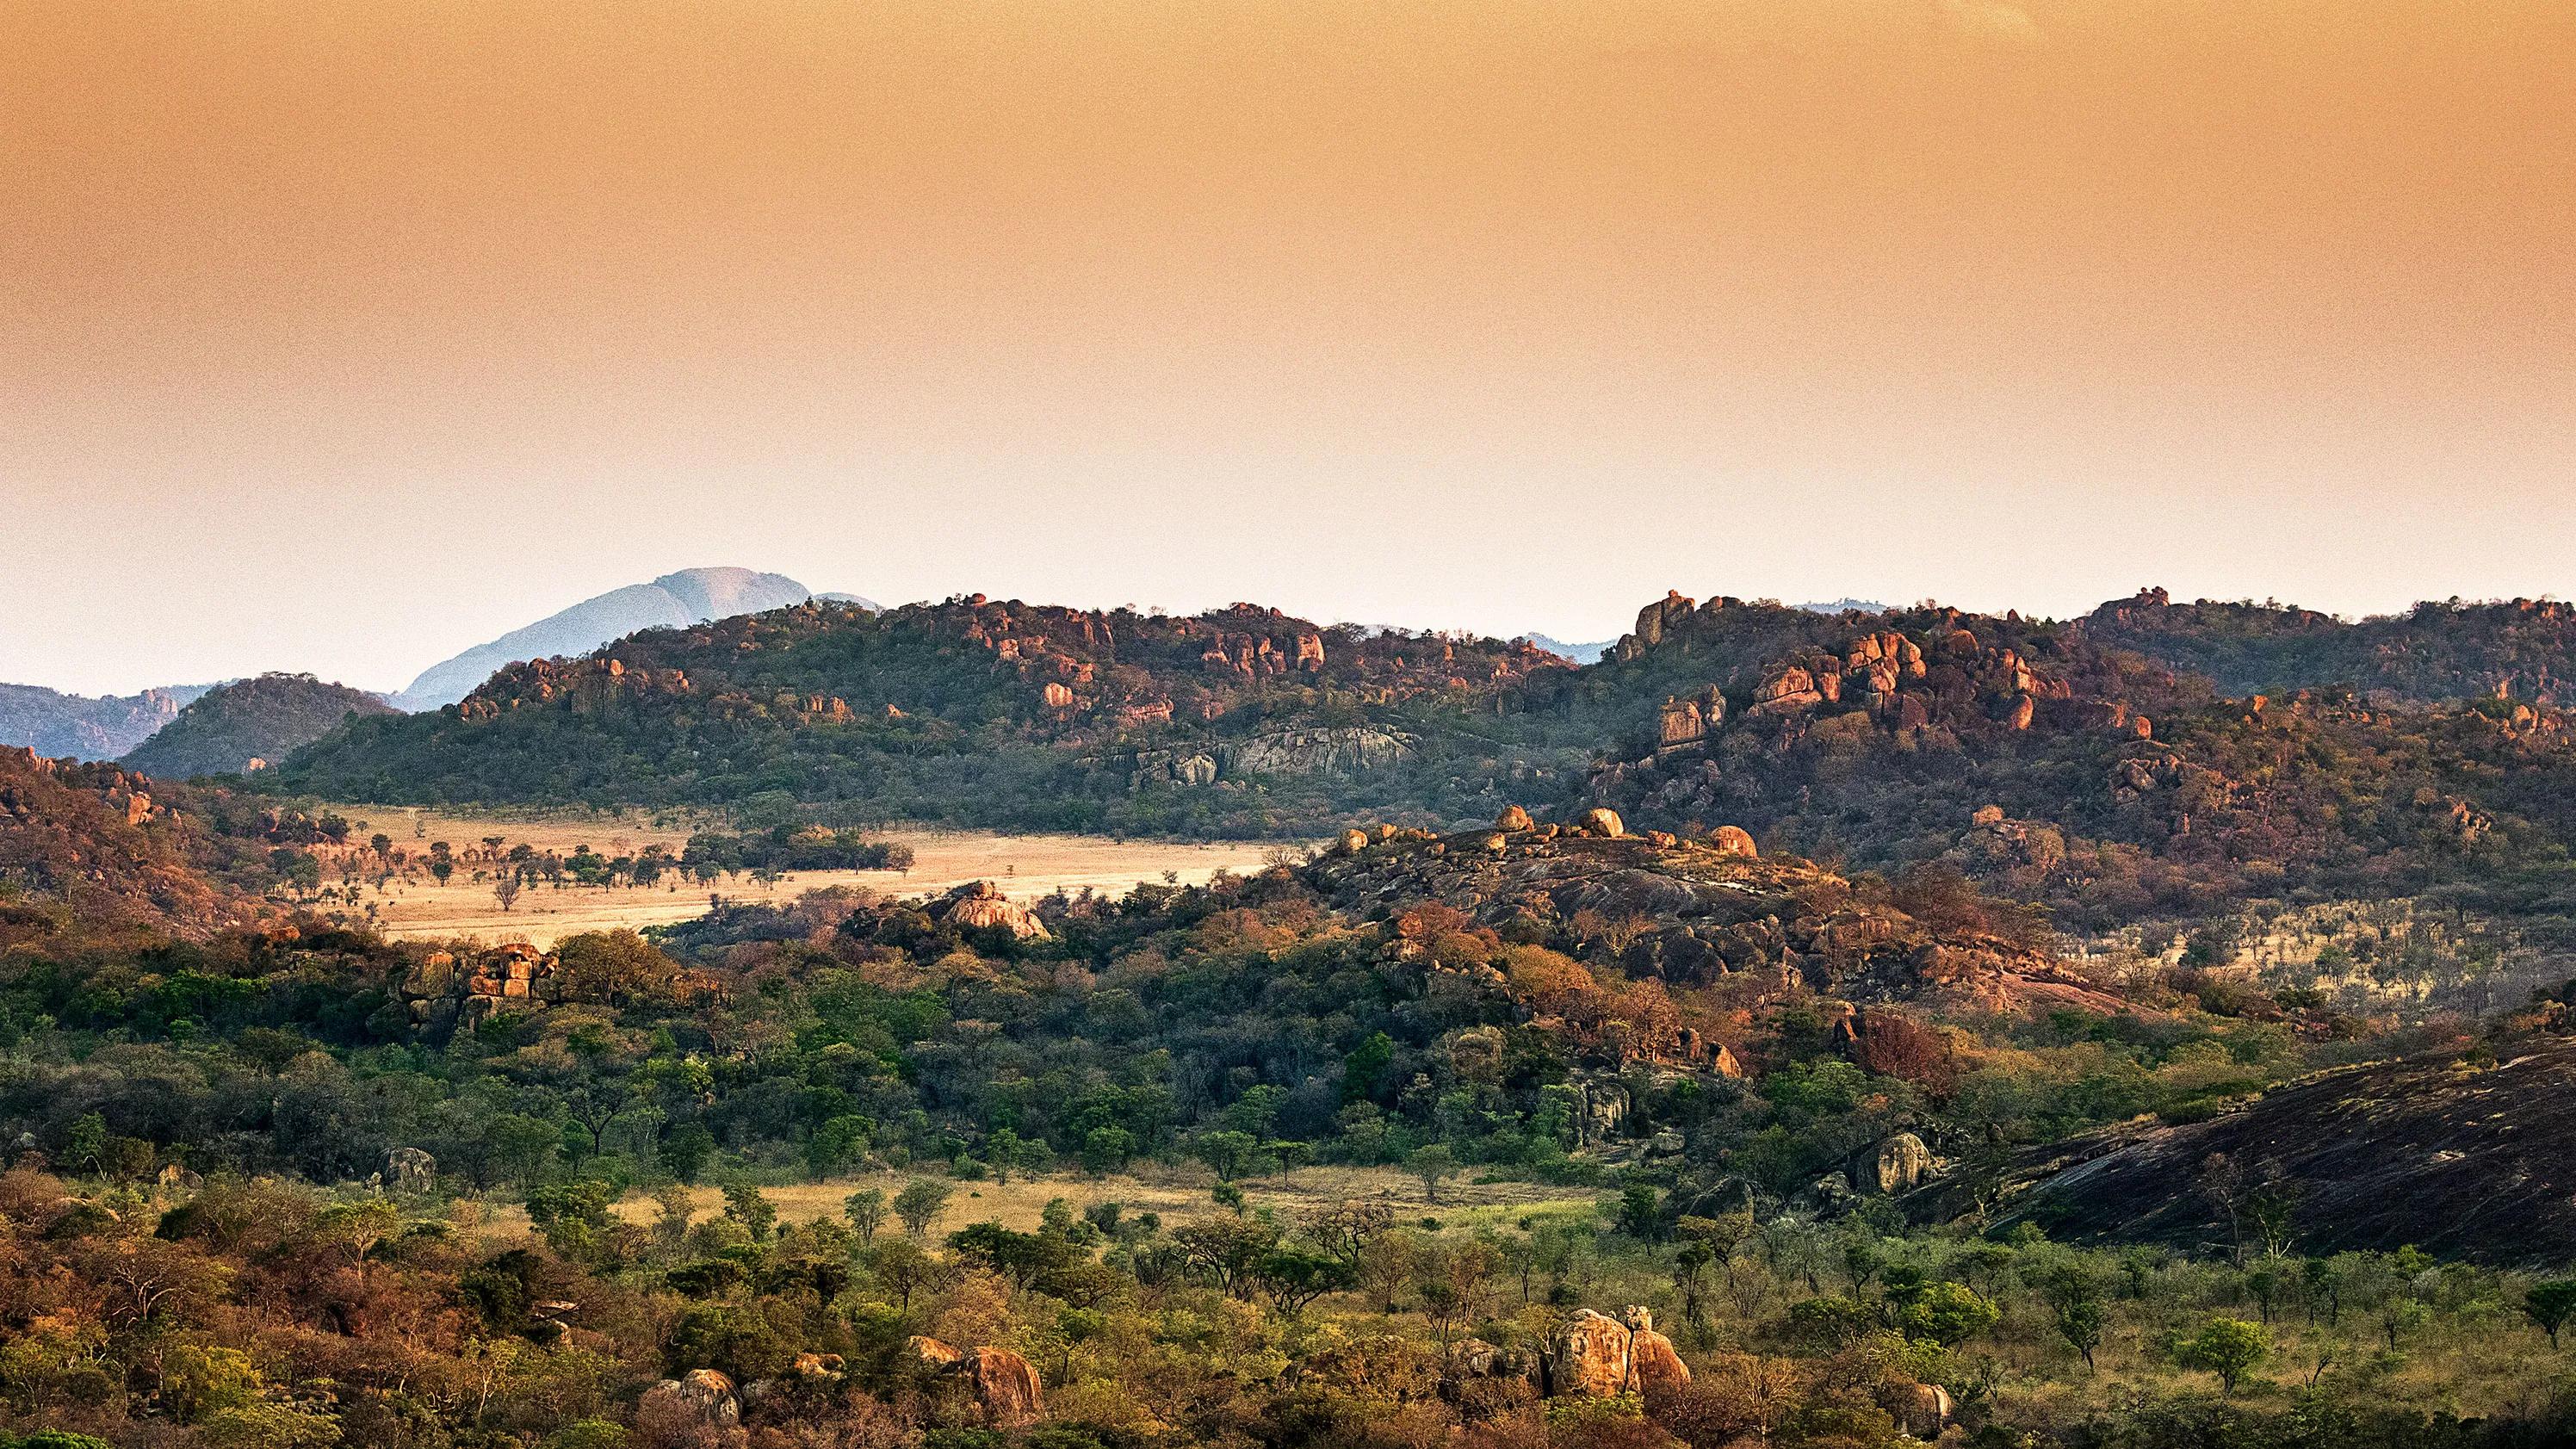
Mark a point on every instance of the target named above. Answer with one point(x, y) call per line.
point(1513, 818)
point(1315, 752)
point(1587, 1354)
point(1895, 1165)
point(1005, 1385)
point(981, 905)
point(1685, 723)
point(1791, 690)
point(410, 1170)
point(1656, 1366)
point(1921, 1410)
point(1056, 695)
point(1606, 1103)
point(931, 1353)
point(1734, 840)
point(1601, 821)
point(700, 1394)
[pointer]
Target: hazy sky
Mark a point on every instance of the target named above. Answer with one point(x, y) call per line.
point(339, 336)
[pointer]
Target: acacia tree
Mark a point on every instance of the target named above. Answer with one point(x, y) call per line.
point(1433, 1164)
point(866, 1210)
point(919, 1202)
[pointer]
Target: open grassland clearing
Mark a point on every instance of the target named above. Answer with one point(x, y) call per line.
point(1177, 1194)
point(411, 906)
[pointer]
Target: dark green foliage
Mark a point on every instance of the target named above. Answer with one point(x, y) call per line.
point(266, 718)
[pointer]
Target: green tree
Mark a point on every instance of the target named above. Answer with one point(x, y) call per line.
point(919, 1202)
point(1948, 1314)
point(866, 1210)
point(1106, 1149)
point(1432, 1164)
point(685, 1150)
point(2075, 1301)
point(1225, 1153)
point(2228, 1347)
point(2550, 1305)
point(745, 1205)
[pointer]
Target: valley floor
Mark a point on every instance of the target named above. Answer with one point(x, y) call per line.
point(1025, 866)
point(1177, 1194)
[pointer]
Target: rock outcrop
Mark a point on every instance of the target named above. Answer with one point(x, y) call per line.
point(410, 1170)
point(1921, 1410)
point(1006, 1388)
point(1899, 1164)
point(1587, 1354)
point(1653, 1363)
point(702, 1396)
point(980, 905)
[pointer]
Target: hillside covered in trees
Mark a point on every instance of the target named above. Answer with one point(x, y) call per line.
point(1238, 722)
point(2084, 764)
point(1724, 1069)
point(249, 724)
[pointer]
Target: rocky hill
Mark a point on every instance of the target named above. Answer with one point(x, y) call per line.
point(249, 725)
point(1698, 911)
point(2514, 649)
point(2054, 761)
point(2062, 769)
point(93, 851)
point(673, 601)
point(56, 724)
point(2461, 1155)
point(1241, 720)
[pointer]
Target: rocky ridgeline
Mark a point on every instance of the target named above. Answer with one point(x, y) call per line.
point(442, 991)
point(1097, 671)
point(1690, 911)
point(87, 847)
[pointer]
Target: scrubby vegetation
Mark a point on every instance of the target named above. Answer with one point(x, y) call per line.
point(249, 724)
point(1794, 1064)
point(186, 1275)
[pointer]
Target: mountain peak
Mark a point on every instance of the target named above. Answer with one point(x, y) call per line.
point(673, 601)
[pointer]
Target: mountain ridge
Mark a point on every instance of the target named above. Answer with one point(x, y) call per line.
point(675, 600)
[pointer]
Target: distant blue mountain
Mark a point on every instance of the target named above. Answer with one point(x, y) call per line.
point(673, 601)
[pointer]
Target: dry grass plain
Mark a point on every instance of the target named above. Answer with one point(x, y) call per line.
point(1025, 866)
point(1177, 1194)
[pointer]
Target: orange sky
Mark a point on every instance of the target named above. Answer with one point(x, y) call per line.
point(342, 335)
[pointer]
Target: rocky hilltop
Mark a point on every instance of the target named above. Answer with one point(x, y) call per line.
point(1240, 720)
point(2059, 768)
point(673, 601)
point(93, 852)
point(2462, 1156)
point(56, 724)
point(249, 725)
point(2510, 649)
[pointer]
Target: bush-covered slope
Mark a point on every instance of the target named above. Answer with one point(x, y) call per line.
point(2060, 769)
point(2522, 649)
point(2047, 759)
point(250, 724)
point(1241, 721)
point(56, 724)
point(92, 852)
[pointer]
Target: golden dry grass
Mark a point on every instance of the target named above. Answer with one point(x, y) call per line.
point(1026, 866)
point(1178, 1194)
